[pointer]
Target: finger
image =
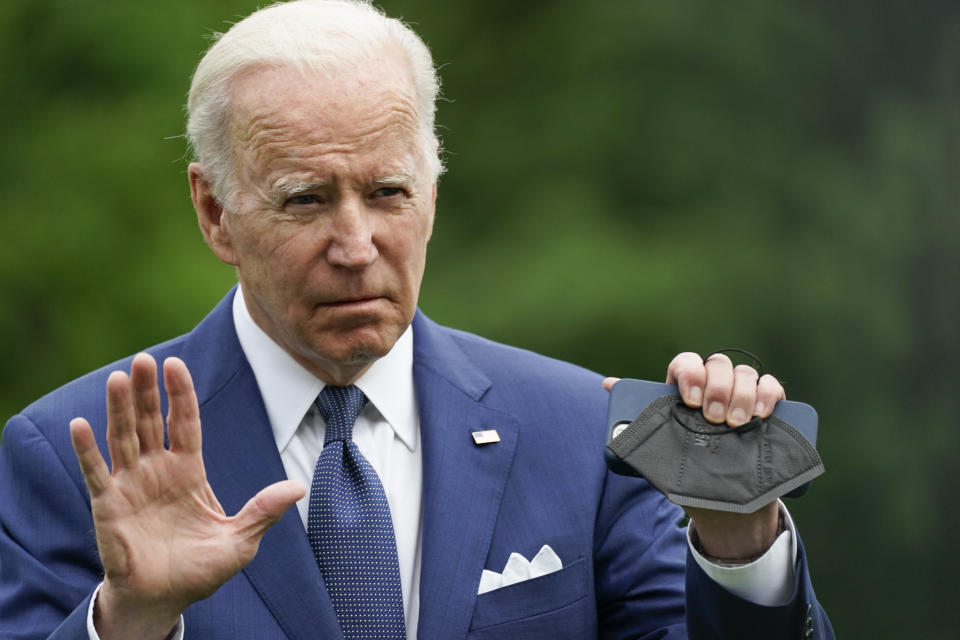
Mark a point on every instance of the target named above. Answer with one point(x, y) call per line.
point(146, 402)
point(687, 372)
point(744, 396)
point(719, 387)
point(92, 465)
point(265, 508)
point(769, 393)
point(122, 438)
point(183, 420)
point(609, 382)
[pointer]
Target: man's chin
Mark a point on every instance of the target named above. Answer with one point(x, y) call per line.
point(349, 341)
point(357, 347)
point(361, 357)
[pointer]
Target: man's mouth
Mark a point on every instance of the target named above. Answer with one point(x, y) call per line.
point(348, 302)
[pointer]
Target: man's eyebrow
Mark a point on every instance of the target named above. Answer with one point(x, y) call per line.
point(288, 187)
point(392, 180)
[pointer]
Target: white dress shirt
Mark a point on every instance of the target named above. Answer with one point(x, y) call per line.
point(388, 435)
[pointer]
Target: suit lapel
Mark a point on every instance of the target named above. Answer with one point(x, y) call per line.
point(241, 458)
point(463, 483)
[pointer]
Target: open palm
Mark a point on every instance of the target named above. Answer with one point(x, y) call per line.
point(163, 538)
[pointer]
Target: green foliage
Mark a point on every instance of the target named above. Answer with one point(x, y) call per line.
point(626, 180)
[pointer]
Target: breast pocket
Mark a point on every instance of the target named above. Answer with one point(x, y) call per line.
point(537, 597)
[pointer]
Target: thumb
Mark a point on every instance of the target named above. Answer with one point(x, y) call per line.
point(264, 509)
point(609, 382)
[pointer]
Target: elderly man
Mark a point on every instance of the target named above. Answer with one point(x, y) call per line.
point(457, 487)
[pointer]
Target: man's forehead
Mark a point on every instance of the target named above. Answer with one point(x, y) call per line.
point(294, 132)
point(281, 95)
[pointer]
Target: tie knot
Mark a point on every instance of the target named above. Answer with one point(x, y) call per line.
point(340, 407)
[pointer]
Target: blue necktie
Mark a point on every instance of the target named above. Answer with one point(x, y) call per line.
point(350, 529)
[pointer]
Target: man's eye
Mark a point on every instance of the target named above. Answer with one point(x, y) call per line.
point(386, 192)
point(303, 199)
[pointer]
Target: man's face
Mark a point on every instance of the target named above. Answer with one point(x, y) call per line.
point(335, 209)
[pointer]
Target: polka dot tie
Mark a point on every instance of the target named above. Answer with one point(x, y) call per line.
point(350, 529)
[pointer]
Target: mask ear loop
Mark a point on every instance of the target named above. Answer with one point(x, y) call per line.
point(742, 351)
point(681, 412)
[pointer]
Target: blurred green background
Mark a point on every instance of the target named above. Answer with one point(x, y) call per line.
point(626, 180)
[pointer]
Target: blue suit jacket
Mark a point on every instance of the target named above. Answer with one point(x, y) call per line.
point(626, 570)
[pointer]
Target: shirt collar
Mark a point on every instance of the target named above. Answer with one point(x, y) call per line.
point(289, 390)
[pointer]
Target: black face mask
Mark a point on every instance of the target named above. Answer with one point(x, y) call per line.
point(699, 464)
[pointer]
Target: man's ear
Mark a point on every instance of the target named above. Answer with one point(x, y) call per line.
point(210, 214)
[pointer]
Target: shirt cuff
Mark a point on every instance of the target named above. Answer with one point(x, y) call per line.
point(175, 634)
point(766, 581)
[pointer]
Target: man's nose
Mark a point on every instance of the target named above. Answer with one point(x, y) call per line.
point(351, 245)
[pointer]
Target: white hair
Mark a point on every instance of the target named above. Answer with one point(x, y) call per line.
point(310, 35)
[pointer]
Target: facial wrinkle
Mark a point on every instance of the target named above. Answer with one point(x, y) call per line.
point(263, 137)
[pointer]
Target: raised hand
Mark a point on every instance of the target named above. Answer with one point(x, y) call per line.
point(163, 538)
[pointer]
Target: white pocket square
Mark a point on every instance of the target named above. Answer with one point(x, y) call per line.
point(519, 569)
